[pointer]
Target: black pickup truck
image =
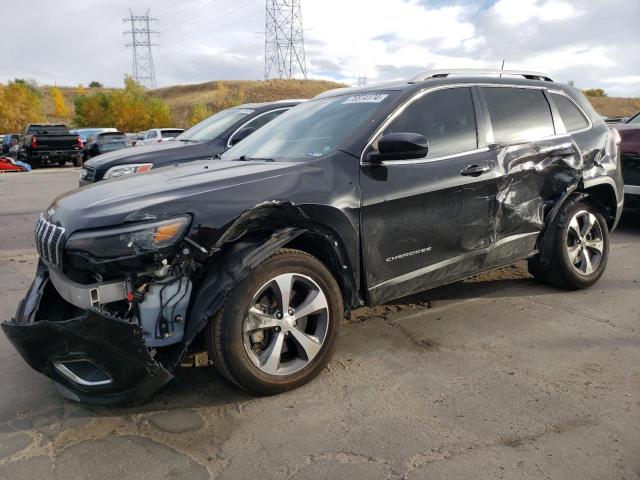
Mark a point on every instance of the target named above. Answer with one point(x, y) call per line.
point(47, 144)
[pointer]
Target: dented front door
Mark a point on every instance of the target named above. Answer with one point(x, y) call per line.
point(428, 221)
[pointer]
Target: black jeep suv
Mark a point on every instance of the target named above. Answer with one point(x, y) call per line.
point(354, 198)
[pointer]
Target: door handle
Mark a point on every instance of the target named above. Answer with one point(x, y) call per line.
point(475, 170)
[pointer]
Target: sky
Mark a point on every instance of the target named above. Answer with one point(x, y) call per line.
point(594, 43)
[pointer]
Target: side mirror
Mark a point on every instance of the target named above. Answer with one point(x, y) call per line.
point(241, 135)
point(400, 146)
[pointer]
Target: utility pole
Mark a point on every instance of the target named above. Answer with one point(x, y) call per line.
point(284, 54)
point(140, 35)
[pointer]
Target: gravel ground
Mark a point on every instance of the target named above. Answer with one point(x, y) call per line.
point(493, 377)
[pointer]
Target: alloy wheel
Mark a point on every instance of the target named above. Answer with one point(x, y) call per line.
point(286, 324)
point(585, 242)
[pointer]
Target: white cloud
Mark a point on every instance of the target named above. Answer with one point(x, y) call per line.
point(594, 43)
point(565, 58)
point(520, 11)
point(359, 36)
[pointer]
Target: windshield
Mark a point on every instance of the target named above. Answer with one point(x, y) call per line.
point(310, 130)
point(214, 126)
point(635, 120)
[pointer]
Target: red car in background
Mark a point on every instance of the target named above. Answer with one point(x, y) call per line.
point(629, 131)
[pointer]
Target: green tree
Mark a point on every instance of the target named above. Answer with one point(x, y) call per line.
point(130, 109)
point(94, 84)
point(595, 92)
point(20, 104)
point(60, 109)
point(197, 113)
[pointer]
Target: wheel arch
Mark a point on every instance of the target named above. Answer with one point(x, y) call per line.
point(257, 234)
point(603, 196)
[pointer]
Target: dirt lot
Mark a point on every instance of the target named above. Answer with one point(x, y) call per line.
point(494, 377)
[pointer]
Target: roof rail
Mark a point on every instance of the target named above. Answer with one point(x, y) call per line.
point(472, 72)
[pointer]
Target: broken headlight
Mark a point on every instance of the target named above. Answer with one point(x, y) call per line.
point(131, 240)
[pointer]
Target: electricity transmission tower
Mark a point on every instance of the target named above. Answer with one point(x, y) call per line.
point(140, 35)
point(284, 55)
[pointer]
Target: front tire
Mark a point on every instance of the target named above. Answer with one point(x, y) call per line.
point(278, 327)
point(579, 251)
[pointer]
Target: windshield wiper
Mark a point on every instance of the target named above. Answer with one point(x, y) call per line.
point(188, 140)
point(244, 158)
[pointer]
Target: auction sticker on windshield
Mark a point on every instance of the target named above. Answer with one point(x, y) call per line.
point(370, 98)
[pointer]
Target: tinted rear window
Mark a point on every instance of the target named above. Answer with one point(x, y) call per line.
point(48, 130)
point(572, 117)
point(170, 133)
point(113, 136)
point(518, 114)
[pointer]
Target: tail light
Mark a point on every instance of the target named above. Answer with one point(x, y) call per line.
point(80, 142)
point(34, 142)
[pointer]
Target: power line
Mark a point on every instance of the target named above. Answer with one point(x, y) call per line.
point(143, 70)
point(284, 53)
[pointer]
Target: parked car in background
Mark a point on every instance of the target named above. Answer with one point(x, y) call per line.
point(156, 135)
point(103, 142)
point(43, 144)
point(84, 134)
point(140, 136)
point(629, 132)
point(357, 197)
point(210, 137)
point(133, 138)
point(6, 142)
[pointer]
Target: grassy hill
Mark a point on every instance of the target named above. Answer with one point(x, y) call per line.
point(222, 94)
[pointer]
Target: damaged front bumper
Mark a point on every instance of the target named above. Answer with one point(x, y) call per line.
point(93, 357)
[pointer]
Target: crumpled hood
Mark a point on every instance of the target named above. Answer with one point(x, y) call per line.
point(202, 186)
point(159, 154)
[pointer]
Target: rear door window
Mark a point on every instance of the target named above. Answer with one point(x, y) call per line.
point(518, 114)
point(571, 115)
point(445, 117)
point(261, 120)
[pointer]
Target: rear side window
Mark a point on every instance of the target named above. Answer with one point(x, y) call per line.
point(518, 114)
point(152, 134)
point(572, 117)
point(261, 120)
point(445, 117)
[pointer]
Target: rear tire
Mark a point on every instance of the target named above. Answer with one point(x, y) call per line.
point(61, 163)
point(579, 249)
point(298, 331)
point(77, 162)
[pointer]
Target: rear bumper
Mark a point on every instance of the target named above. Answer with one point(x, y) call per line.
point(93, 358)
point(53, 156)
